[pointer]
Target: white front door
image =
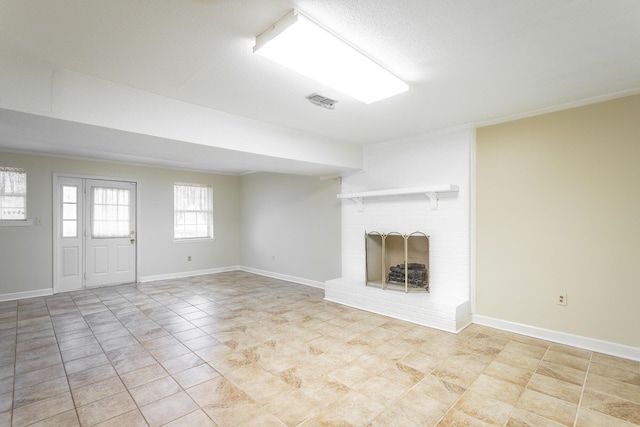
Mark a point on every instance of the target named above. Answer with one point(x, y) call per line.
point(95, 232)
point(110, 232)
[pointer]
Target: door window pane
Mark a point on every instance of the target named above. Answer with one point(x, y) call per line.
point(110, 212)
point(69, 194)
point(69, 228)
point(69, 211)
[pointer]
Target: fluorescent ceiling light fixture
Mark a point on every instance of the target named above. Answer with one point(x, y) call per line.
point(303, 46)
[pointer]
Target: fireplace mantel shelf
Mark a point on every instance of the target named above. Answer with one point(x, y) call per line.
point(431, 192)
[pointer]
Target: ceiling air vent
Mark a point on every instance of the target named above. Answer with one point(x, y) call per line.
point(322, 101)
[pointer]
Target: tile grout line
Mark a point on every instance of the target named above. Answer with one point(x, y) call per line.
point(466, 390)
point(15, 362)
point(138, 407)
point(170, 375)
point(76, 407)
point(48, 315)
point(55, 335)
point(526, 386)
point(64, 368)
point(584, 386)
point(111, 362)
point(176, 301)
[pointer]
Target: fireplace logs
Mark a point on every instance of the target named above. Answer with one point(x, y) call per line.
point(416, 274)
point(398, 261)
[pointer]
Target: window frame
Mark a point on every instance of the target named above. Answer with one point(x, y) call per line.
point(23, 221)
point(209, 213)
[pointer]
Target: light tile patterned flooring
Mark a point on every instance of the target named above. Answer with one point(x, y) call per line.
point(235, 349)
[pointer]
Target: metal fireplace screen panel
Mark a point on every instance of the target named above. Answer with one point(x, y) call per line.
point(398, 261)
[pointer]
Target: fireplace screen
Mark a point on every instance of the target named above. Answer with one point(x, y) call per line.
point(398, 261)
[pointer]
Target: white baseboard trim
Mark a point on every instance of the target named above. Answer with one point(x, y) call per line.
point(284, 277)
point(26, 294)
point(593, 344)
point(183, 274)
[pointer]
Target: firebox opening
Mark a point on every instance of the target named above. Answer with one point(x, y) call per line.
point(398, 261)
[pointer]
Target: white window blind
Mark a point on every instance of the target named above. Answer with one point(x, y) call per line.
point(110, 209)
point(193, 211)
point(13, 194)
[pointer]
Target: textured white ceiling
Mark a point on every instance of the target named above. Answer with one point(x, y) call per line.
point(466, 61)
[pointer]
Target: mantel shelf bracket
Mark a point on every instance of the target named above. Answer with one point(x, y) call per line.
point(359, 201)
point(433, 198)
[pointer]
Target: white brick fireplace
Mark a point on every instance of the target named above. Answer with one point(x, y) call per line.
point(433, 161)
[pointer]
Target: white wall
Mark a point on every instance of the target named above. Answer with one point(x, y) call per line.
point(290, 226)
point(425, 160)
point(422, 161)
point(34, 87)
point(26, 252)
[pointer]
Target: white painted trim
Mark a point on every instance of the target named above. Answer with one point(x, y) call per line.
point(96, 177)
point(587, 343)
point(118, 162)
point(420, 138)
point(473, 231)
point(16, 223)
point(196, 240)
point(26, 294)
point(259, 272)
point(192, 273)
point(442, 188)
point(560, 107)
point(139, 228)
point(284, 277)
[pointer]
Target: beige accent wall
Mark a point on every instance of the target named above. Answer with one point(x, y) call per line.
point(558, 211)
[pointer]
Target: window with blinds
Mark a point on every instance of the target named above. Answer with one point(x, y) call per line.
point(193, 211)
point(13, 194)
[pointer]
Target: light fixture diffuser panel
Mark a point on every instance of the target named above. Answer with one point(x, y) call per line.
point(303, 46)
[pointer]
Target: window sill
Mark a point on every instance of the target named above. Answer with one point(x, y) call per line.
point(19, 223)
point(197, 240)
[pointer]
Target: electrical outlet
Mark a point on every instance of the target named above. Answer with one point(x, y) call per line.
point(189, 258)
point(561, 299)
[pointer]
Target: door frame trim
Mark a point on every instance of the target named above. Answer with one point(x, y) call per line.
point(55, 200)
